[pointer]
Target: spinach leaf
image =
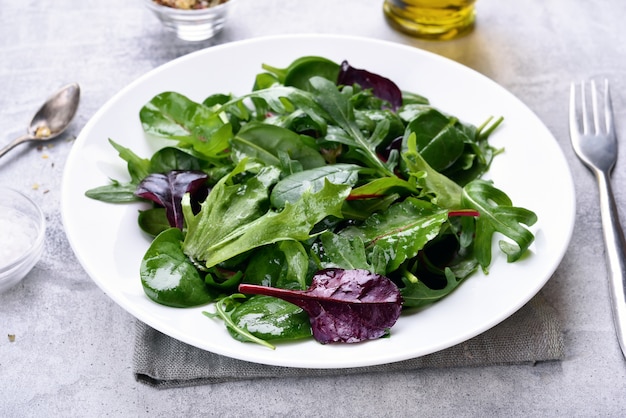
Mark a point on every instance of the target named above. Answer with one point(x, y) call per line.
point(291, 188)
point(153, 221)
point(283, 264)
point(228, 207)
point(174, 159)
point(224, 308)
point(167, 275)
point(269, 319)
point(174, 116)
point(302, 69)
point(437, 138)
point(265, 142)
point(115, 192)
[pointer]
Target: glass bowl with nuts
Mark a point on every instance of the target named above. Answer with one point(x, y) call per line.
point(192, 20)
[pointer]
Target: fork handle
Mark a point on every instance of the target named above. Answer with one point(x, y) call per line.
point(615, 256)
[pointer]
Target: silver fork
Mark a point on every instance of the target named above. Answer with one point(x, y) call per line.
point(592, 132)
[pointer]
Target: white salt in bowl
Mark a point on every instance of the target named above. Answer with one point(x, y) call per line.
point(22, 231)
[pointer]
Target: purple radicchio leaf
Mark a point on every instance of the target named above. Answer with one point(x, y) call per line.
point(382, 87)
point(343, 305)
point(168, 190)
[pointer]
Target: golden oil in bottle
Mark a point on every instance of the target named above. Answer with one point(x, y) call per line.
point(431, 19)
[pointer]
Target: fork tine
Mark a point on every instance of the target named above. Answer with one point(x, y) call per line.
point(608, 110)
point(585, 117)
point(594, 108)
point(573, 120)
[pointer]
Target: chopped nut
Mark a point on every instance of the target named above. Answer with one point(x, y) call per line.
point(35, 186)
point(42, 132)
point(11, 338)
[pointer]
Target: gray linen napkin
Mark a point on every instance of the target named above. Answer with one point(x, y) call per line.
point(530, 335)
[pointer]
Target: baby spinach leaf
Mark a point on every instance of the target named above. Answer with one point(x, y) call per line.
point(302, 69)
point(167, 275)
point(174, 116)
point(265, 142)
point(171, 159)
point(283, 264)
point(343, 305)
point(224, 308)
point(115, 192)
point(269, 319)
point(497, 214)
point(437, 138)
point(153, 221)
point(292, 187)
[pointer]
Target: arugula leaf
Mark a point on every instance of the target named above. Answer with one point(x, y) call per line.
point(138, 167)
point(341, 112)
point(445, 192)
point(416, 294)
point(401, 231)
point(497, 215)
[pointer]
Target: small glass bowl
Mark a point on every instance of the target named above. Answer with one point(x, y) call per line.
point(22, 231)
point(192, 25)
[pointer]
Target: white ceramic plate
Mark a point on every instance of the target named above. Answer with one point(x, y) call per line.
point(532, 171)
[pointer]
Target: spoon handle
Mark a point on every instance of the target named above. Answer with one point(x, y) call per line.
point(16, 141)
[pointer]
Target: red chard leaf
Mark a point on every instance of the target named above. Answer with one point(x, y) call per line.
point(382, 87)
point(168, 190)
point(346, 306)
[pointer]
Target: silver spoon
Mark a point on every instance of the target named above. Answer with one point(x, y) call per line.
point(52, 118)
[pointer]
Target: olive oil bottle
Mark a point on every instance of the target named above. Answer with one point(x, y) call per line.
point(431, 19)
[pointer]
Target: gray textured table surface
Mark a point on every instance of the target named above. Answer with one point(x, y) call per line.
point(73, 348)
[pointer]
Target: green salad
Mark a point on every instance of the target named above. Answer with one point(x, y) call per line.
point(323, 203)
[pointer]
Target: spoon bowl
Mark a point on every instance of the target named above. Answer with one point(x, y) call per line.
point(52, 118)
